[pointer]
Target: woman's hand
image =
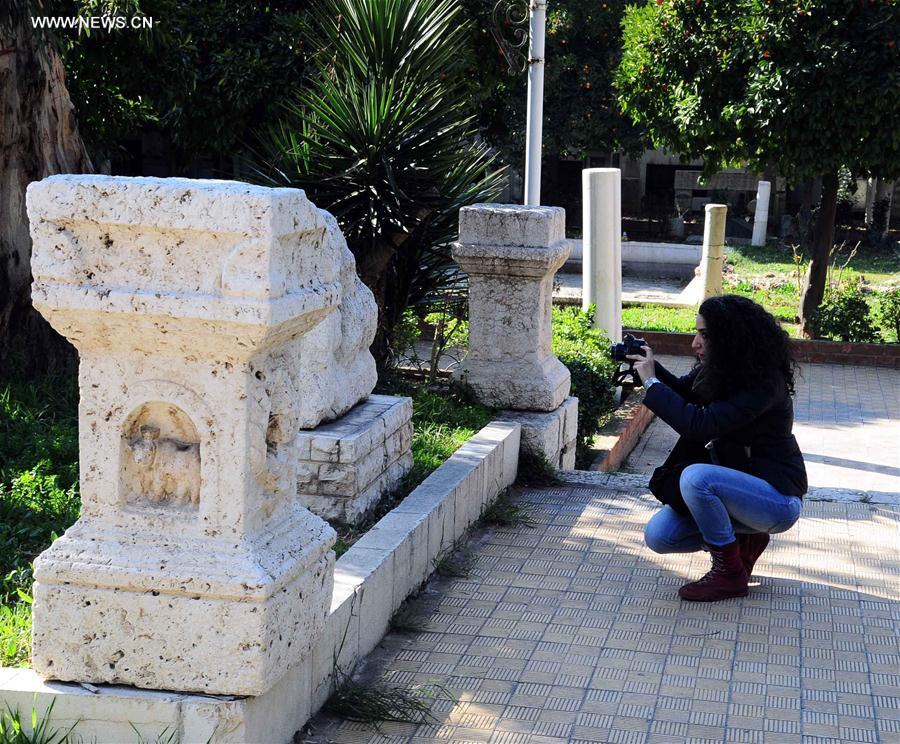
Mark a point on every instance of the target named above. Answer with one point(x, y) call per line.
point(645, 366)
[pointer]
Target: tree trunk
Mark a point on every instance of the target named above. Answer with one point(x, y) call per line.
point(373, 267)
point(814, 286)
point(810, 191)
point(881, 209)
point(38, 137)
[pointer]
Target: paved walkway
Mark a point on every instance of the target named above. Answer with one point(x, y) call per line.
point(572, 632)
point(648, 289)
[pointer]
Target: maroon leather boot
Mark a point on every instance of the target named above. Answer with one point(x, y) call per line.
point(726, 579)
point(752, 547)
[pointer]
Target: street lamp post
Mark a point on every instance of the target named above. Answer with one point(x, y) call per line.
point(534, 126)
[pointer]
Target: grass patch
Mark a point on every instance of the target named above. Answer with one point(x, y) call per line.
point(769, 276)
point(374, 702)
point(442, 423)
point(535, 471)
point(406, 620)
point(455, 562)
point(881, 268)
point(657, 318)
point(38, 493)
point(505, 512)
point(12, 730)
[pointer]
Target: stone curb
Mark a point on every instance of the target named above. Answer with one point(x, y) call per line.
point(371, 580)
point(631, 429)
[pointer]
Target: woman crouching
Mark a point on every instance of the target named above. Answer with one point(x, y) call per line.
point(735, 408)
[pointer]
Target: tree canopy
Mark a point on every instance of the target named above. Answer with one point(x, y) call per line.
point(806, 86)
point(207, 74)
point(583, 45)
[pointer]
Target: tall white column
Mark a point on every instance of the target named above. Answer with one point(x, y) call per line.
point(713, 250)
point(535, 119)
point(602, 252)
point(761, 218)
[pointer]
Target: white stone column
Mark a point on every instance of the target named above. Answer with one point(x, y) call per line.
point(511, 254)
point(761, 217)
point(213, 321)
point(713, 258)
point(601, 272)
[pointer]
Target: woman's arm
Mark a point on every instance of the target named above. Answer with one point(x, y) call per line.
point(702, 423)
point(681, 385)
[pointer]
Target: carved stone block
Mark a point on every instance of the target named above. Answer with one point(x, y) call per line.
point(214, 320)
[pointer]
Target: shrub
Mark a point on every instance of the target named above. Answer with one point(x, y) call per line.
point(585, 351)
point(381, 135)
point(845, 316)
point(889, 314)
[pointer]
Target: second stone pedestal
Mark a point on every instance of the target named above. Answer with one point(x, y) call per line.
point(511, 254)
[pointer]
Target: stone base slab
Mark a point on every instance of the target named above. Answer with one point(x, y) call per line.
point(111, 714)
point(156, 611)
point(551, 435)
point(347, 465)
point(371, 580)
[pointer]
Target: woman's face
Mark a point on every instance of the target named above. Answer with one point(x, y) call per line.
point(698, 345)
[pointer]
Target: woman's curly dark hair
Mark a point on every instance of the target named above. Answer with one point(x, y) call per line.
point(745, 346)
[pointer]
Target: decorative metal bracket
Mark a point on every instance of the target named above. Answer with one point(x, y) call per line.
point(509, 27)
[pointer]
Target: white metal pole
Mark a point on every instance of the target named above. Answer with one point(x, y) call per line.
point(534, 125)
point(601, 268)
point(761, 218)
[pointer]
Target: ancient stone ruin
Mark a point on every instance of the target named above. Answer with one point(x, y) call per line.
point(511, 254)
point(217, 324)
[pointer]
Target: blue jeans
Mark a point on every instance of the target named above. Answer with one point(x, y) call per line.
point(722, 502)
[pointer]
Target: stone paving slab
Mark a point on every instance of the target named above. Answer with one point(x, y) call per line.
point(572, 632)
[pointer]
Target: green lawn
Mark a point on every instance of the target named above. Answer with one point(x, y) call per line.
point(38, 494)
point(770, 277)
point(880, 269)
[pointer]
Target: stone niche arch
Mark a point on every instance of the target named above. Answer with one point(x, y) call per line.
point(166, 455)
point(161, 458)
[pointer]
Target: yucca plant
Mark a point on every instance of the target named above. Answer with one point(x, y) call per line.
point(382, 136)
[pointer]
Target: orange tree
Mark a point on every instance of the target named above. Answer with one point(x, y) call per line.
point(806, 86)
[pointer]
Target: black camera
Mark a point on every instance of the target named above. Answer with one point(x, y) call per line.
point(629, 346)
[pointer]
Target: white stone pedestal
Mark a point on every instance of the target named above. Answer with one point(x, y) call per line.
point(511, 254)
point(347, 465)
point(213, 320)
point(712, 261)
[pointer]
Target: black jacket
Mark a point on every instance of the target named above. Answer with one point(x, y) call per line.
point(760, 418)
